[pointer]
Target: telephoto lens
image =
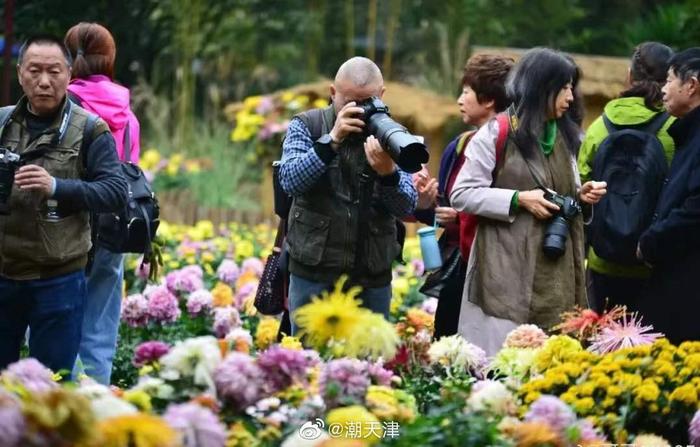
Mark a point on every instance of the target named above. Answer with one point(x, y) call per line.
point(407, 151)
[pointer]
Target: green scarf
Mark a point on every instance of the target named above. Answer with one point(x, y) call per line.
point(548, 137)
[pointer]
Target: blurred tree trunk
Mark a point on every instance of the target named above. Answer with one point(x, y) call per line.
point(188, 15)
point(393, 22)
point(315, 36)
point(7, 52)
point(371, 29)
point(349, 28)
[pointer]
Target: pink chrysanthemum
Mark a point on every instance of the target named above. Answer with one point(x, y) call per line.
point(694, 429)
point(254, 265)
point(187, 279)
point(163, 306)
point(344, 382)
point(225, 319)
point(525, 336)
point(283, 366)
point(244, 292)
point(135, 310)
point(238, 380)
point(199, 302)
point(197, 425)
point(430, 305)
point(12, 424)
point(31, 374)
point(623, 333)
point(149, 352)
point(552, 411)
point(228, 272)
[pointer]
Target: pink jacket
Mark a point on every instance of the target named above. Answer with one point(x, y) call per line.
point(110, 102)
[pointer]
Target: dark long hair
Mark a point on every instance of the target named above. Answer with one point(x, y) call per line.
point(648, 70)
point(533, 86)
point(93, 50)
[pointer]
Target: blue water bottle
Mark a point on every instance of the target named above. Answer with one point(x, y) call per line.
point(429, 248)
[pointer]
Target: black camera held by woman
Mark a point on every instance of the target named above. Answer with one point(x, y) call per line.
point(9, 162)
point(405, 149)
point(556, 232)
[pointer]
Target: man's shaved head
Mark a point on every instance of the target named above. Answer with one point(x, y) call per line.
point(360, 71)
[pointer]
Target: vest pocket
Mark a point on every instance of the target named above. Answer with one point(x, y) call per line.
point(308, 233)
point(63, 239)
point(381, 246)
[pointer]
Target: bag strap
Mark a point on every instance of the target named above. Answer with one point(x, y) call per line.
point(146, 259)
point(279, 237)
point(88, 132)
point(503, 131)
point(127, 143)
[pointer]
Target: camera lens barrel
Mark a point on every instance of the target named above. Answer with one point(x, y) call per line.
point(555, 234)
point(405, 149)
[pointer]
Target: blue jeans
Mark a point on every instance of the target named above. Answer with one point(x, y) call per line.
point(301, 290)
point(101, 320)
point(52, 309)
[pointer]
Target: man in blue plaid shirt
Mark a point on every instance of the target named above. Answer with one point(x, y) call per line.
point(348, 194)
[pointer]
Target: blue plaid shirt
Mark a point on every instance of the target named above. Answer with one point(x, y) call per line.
point(301, 167)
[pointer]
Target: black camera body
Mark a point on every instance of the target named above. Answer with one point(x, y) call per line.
point(557, 230)
point(9, 162)
point(407, 151)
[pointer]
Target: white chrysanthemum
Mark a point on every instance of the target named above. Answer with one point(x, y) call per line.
point(492, 396)
point(455, 352)
point(154, 387)
point(195, 357)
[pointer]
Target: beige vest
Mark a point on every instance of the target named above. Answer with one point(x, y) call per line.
point(509, 276)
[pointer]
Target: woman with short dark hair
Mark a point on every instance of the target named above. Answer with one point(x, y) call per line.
point(515, 274)
point(92, 86)
point(483, 96)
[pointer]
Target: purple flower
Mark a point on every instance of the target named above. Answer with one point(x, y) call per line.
point(430, 305)
point(265, 106)
point(163, 306)
point(198, 425)
point(149, 352)
point(694, 429)
point(135, 310)
point(244, 292)
point(552, 411)
point(379, 374)
point(283, 366)
point(198, 302)
point(418, 267)
point(12, 425)
point(142, 270)
point(588, 433)
point(31, 374)
point(253, 264)
point(344, 382)
point(228, 271)
point(624, 333)
point(187, 279)
point(238, 380)
point(225, 319)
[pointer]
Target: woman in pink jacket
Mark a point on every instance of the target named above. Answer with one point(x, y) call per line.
point(92, 87)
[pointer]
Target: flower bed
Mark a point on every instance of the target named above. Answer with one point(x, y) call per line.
point(198, 366)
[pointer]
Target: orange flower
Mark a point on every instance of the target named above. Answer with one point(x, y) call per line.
point(535, 434)
point(222, 295)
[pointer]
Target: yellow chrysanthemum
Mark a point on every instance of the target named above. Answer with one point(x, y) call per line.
point(139, 398)
point(354, 422)
point(331, 316)
point(372, 337)
point(290, 342)
point(650, 441)
point(555, 351)
point(137, 430)
point(222, 295)
point(149, 159)
point(535, 434)
point(239, 436)
point(685, 394)
point(266, 333)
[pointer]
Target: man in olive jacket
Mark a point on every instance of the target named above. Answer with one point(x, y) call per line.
point(347, 194)
point(672, 244)
point(61, 176)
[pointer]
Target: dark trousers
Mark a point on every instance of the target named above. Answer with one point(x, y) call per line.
point(605, 292)
point(52, 309)
point(449, 304)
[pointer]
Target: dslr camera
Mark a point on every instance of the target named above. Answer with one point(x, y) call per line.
point(9, 162)
point(407, 151)
point(557, 230)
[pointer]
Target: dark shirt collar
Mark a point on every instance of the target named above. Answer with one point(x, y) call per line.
point(683, 128)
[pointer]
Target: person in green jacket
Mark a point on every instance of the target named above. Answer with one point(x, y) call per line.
point(610, 283)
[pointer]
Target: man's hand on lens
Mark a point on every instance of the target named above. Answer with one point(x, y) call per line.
point(378, 160)
point(33, 177)
point(347, 122)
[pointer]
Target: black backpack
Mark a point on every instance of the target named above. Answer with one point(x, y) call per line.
point(631, 160)
point(132, 229)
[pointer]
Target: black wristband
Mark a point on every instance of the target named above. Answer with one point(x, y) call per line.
point(325, 152)
point(390, 180)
